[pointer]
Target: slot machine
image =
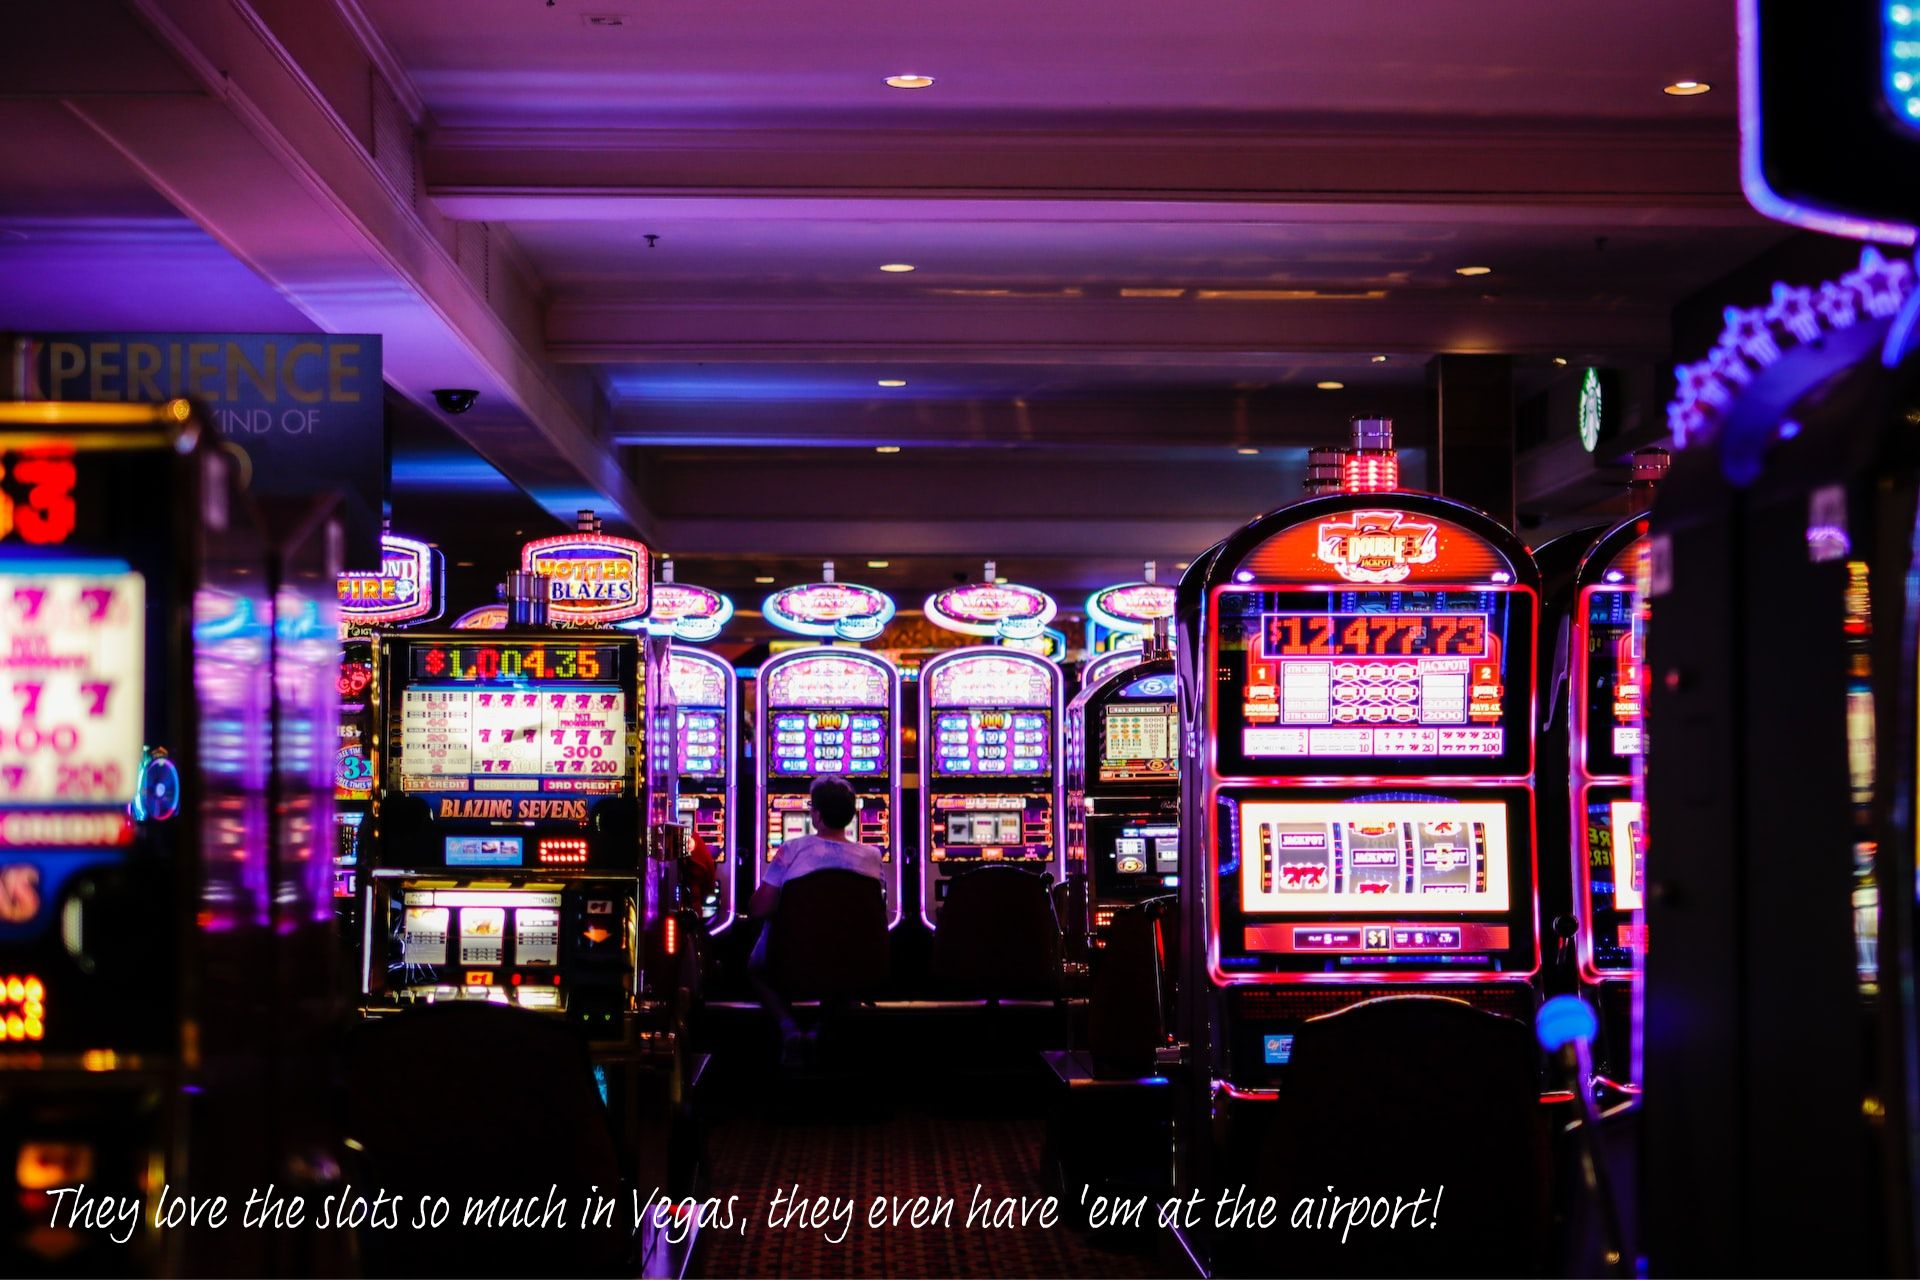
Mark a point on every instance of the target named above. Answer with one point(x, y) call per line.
point(990, 780)
point(508, 823)
point(706, 697)
point(1357, 814)
point(1123, 788)
point(409, 588)
point(165, 913)
point(1779, 787)
point(829, 710)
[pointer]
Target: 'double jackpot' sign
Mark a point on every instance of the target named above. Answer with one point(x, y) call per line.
point(592, 578)
point(997, 609)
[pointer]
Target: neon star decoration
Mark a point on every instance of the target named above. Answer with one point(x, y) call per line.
point(1756, 338)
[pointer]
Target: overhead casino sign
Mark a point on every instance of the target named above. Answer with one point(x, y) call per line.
point(1002, 610)
point(832, 610)
point(592, 578)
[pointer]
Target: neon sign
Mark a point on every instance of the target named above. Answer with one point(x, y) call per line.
point(840, 610)
point(992, 609)
point(592, 578)
point(1755, 338)
point(1131, 607)
point(1376, 546)
point(409, 587)
point(1592, 410)
point(686, 612)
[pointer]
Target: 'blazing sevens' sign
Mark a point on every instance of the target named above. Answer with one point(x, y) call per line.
point(992, 609)
point(408, 587)
point(592, 579)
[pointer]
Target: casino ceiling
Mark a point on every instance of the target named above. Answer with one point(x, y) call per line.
point(664, 240)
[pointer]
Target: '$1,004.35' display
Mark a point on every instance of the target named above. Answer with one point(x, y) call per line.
point(511, 662)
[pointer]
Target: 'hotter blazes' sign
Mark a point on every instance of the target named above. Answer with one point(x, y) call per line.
point(591, 577)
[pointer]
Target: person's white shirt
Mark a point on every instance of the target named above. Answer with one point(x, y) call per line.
point(804, 855)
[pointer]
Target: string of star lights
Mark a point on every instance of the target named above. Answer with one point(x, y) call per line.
point(1798, 317)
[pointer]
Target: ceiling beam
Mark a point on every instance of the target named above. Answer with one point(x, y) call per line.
point(1571, 178)
point(1130, 331)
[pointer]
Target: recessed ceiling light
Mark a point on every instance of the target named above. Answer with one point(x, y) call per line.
point(910, 81)
point(876, 564)
point(1330, 385)
point(896, 266)
point(886, 448)
point(893, 382)
point(1379, 359)
point(1181, 565)
point(999, 582)
point(1248, 452)
point(764, 581)
point(1473, 271)
point(1686, 88)
point(1560, 360)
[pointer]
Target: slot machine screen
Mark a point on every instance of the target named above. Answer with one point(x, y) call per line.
point(795, 825)
point(702, 741)
point(510, 717)
point(1374, 682)
point(806, 741)
point(1613, 682)
point(1137, 741)
point(989, 828)
point(991, 742)
point(1144, 850)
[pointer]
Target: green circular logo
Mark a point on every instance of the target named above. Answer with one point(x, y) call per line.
point(1591, 409)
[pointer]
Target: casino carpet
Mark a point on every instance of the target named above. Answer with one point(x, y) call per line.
point(919, 1149)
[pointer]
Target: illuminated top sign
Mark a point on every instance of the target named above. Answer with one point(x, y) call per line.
point(842, 610)
point(991, 679)
point(686, 612)
point(592, 578)
point(828, 680)
point(75, 656)
point(1376, 546)
point(696, 681)
point(408, 588)
point(1132, 607)
point(992, 609)
point(1098, 669)
point(488, 617)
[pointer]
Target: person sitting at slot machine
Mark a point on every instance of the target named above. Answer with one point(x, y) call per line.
point(831, 807)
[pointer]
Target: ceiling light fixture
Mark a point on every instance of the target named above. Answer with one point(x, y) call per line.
point(1379, 359)
point(910, 81)
point(999, 582)
point(893, 382)
point(1330, 385)
point(1473, 271)
point(1247, 452)
point(877, 564)
point(896, 266)
point(764, 580)
point(886, 448)
point(1560, 360)
point(1686, 88)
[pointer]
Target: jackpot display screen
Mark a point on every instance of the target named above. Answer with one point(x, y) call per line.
point(1359, 881)
point(534, 716)
point(806, 741)
point(1374, 682)
point(991, 742)
point(1614, 679)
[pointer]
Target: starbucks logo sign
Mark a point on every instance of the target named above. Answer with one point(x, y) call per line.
point(1592, 410)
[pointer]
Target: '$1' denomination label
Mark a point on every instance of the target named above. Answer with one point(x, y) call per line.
point(72, 690)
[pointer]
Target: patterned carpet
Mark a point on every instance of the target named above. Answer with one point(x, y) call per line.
point(917, 1149)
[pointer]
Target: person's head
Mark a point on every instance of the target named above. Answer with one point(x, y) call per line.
point(832, 802)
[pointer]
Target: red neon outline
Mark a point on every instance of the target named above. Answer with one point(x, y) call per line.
point(1584, 782)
